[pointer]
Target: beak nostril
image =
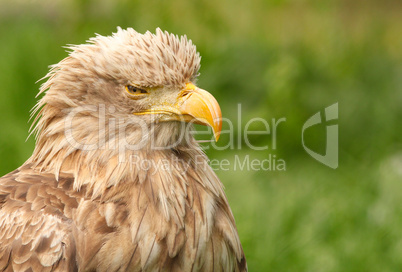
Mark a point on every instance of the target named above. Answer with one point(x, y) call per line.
point(185, 94)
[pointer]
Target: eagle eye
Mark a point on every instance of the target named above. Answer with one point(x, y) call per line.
point(134, 90)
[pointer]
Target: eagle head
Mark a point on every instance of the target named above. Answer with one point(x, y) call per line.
point(130, 78)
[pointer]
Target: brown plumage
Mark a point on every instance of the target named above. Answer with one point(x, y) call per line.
point(116, 181)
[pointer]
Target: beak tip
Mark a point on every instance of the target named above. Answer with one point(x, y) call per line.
point(217, 135)
point(217, 129)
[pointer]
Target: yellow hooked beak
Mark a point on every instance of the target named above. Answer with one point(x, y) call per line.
point(192, 105)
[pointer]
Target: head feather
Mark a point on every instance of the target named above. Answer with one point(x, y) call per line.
point(147, 60)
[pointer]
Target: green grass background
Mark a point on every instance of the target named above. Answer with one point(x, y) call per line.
point(278, 59)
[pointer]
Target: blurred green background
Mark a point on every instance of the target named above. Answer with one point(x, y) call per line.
point(279, 58)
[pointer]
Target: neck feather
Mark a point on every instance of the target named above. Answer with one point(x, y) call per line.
point(99, 156)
